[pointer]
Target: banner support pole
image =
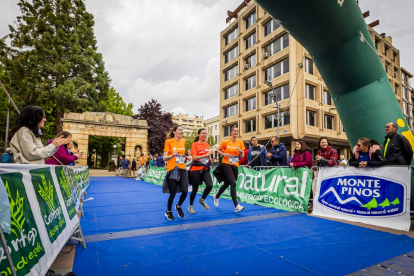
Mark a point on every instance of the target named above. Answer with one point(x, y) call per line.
point(6, 250)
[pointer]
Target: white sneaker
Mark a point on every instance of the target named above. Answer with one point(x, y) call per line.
point(238, 208)
point(216, 200)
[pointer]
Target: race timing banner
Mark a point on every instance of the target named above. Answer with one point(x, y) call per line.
point(378, 196)
point(39, 213)
point(281, 188)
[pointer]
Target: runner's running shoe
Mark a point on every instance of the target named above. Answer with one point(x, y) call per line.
point(169, 215)
point(180, 211)
point(238, 208)
point(204, 204)
point(191, 209)
point(216, 200)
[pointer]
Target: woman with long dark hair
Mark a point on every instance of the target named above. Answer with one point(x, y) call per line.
point(177, 176)
point(200, 169)
point(25, 137)
point(302, 156)
point(230, 149)
point(62, 156)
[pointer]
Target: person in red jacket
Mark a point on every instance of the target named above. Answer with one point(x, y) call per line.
point(243, 160)
point(302, 156)
point(326, 156)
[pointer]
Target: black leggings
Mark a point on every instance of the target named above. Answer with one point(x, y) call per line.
point(196, 179)
point(229, 180)
point(172, 186)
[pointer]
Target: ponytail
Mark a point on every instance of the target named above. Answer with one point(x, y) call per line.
point(170, 133)
point(199, 132)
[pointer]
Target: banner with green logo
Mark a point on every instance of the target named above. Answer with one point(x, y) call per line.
point(155, 175)
point(23, 242)
point(43, 201)
point(281, 188)
point(4, 210)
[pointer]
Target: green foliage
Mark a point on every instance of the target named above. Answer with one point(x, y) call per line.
point(52, 60)
point(115, 104)
point(189, 138)
point(104, 148)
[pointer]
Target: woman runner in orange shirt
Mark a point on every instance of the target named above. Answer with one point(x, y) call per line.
point(228, 170)
point(174, 151)
point(200, 169)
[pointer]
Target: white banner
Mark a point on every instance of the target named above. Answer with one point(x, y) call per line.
point(43, 213)
point(378, 196)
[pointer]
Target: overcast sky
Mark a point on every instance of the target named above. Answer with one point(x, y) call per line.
point(169, 50)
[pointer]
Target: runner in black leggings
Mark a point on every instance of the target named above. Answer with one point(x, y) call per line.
point(200, 169)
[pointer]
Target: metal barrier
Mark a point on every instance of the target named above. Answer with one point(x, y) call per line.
point(259, 168)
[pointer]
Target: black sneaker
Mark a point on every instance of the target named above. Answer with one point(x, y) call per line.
point(169, 215)
point(180, 211)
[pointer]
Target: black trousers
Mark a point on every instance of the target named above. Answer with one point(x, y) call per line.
point(227, 174)
point(196, 179)
point(172, 186)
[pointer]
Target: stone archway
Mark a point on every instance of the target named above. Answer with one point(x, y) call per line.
point(82, 125)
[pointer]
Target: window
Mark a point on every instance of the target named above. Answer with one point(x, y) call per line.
point(250, 20)
point(215, 127)
point(386, 51)
point(231, 73)
point(377, 44)
point(251, 60)
point(327, 99)
point(215, 139)
point(271, 120)
point(231, 36)
point(403, 96)
point(277, 45)
point(342, 128)
point(282, 93)
point(310, 92)
point(250, 82)
point(250, 126)
point(386, 67)
point(396, 89)
point(394, 56)
point(270, 27)
point(227, 129)
point(310, 118)
point(309, 66)
point(329, 122)
point(395, 72)
point(250, 40)
point(231, 110)
point(250, 104)
point(231, 54)
point(277, 70)
point(231, 91)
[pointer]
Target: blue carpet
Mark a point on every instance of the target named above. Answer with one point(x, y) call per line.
point(125, 204)
point(295, 245)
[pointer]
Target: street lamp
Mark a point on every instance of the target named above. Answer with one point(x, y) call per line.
point(114, 146)
point(274, 97)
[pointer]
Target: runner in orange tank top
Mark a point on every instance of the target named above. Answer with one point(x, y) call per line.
point(174, 150)
point(200, 169)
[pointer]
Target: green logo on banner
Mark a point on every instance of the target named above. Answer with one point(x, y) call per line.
point(23, 241)
point(48, 201)
point(66, 192)
point(75, 187)
point(155, 175)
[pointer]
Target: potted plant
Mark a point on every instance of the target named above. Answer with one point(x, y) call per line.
point(111, 166)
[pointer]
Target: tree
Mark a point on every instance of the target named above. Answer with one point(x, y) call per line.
point(115, 104)
point(159, 123)
point(190, 136)
point(52, 60)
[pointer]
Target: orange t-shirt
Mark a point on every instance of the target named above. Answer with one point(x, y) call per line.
point(198, 149)
point(229, 147)
point(141, 161)
point(172, 145)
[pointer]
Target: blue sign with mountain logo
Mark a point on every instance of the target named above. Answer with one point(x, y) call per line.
point(362, 195)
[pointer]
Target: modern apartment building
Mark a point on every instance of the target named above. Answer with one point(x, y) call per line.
point(189, 124)
point(255, 48)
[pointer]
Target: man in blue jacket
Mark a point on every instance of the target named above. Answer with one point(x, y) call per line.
point(277, 154)
point(257, 154)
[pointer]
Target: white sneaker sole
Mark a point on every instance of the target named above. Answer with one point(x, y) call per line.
point(216, 201)
point(239, 210)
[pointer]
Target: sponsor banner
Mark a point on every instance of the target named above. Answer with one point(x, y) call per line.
point(378, 196)
point(281, 188)
point(42, 202)
point(155, 175)
point(4, 210)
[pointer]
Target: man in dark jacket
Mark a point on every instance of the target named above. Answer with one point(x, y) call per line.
point(277, 154)
point(397, 149)
point(160, 161)
point(120, 166)
point(7, 157)
point(256, 154)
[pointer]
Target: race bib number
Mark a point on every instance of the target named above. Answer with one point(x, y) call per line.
point(233, 159)
point(180, 159)
point(204, 160)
